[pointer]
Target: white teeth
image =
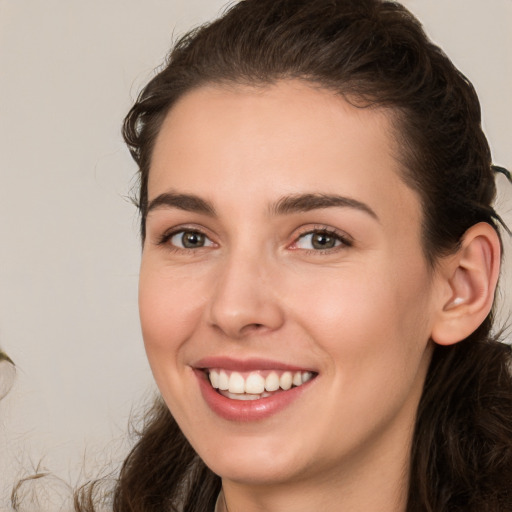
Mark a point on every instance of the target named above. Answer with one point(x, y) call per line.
point(306, 376)
point(214, 379)
point(241, 396)
point(272, 382)
point(255, 385)
point(236, 383)
point(223, 381)
point(285, 382)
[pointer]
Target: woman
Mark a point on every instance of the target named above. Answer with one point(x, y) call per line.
point(320, 258)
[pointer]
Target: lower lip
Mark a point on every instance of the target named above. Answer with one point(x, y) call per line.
point(247, 410)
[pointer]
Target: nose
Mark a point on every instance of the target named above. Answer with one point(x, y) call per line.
point(245, 298)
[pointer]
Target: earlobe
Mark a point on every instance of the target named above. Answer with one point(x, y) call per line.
point(469, 279)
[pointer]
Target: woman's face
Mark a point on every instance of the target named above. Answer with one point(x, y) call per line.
point(283, 249)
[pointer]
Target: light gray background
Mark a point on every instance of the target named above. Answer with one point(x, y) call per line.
point(69, 248)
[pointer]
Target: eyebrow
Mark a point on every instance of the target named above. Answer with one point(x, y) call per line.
point(186, 202)
point(295, 203)
point(307, 202)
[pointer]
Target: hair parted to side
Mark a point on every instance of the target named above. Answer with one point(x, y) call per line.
point(375, 54)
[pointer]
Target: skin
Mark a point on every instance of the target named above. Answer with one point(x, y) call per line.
point(360, 314)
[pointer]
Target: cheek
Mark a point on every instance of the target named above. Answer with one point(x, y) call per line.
point(170, 308)
point(376, 313)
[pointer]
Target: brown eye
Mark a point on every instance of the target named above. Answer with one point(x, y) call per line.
point(320, 240)
point(190, 240)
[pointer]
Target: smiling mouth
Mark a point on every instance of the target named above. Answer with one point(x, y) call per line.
point(256, 384)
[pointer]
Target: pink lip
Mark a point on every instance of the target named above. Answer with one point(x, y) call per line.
point(246, 365)
point(247, 410)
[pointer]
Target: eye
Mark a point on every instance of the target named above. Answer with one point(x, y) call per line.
point(188, 239)
point(320, 240)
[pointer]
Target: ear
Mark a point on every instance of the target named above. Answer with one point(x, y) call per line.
point(467, 282)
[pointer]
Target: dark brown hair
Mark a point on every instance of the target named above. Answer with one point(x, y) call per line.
point(375, 54)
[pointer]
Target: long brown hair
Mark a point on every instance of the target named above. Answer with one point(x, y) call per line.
point(374, 53)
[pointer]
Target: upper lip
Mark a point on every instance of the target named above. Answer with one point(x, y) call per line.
point(246, 365)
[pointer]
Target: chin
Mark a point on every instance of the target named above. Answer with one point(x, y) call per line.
point(253, 461)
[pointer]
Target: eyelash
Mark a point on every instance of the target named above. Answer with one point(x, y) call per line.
point(168, 235)
point(343, 241)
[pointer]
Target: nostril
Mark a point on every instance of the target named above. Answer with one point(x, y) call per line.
point(252, 327)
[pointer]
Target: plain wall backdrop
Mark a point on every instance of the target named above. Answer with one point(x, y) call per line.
point(69, 248)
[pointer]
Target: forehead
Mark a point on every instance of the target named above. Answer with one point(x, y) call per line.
point(256, 144)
